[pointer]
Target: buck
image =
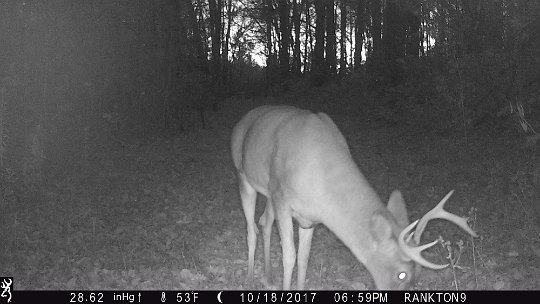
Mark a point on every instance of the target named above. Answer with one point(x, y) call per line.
point(301, 163)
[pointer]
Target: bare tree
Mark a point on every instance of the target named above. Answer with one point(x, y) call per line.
point(319, 67)
point(343, 39)
point(215, 32)
point(375, 31)
point(330, 37)
point(285, 33)
point(296, 65)
point(359, 32)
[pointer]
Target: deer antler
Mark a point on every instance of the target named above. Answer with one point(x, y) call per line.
point(437, 212)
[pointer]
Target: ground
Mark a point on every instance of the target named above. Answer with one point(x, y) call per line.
point(164, 213)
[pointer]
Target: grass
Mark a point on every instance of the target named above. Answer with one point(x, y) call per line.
point(165, 213)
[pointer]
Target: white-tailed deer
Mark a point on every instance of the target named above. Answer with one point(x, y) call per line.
point(301, 162)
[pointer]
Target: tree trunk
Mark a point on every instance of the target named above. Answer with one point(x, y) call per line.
point(284, 46)
point(359, 32)
point(226, 70)
point(197, 38)
point(270, 54)
point(422, 30)
point(394, 41)
point(296, 52)
point(412, 47)
point(472, 18)
point(319, 69)
point(216, 79)
point(343, 39)
point(203, 32)
point(215, 32)
point(375, 31)
point(309, 37)
point(330, 37)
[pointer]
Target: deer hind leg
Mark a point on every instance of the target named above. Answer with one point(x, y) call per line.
point(248, 196)
point(286, 233)
point(266, 221)
point(304, 246)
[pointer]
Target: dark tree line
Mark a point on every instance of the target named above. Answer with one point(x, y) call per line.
point(379, 36)
point(74, 70)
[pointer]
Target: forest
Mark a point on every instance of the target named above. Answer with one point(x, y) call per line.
point(116, 119)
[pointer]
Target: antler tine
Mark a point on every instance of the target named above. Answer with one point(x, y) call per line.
point(439, 212)
point(415, 252)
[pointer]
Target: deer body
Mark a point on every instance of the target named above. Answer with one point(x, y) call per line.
point(301, 163)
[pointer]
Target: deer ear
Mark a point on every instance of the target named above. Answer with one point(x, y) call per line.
point(396, 206)
point(381, 228)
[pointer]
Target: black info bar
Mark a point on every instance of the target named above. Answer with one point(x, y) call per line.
point(266, 296)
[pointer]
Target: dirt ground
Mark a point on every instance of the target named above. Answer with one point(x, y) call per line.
point(164, 213)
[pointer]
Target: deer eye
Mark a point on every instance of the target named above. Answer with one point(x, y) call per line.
point(402, 276)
